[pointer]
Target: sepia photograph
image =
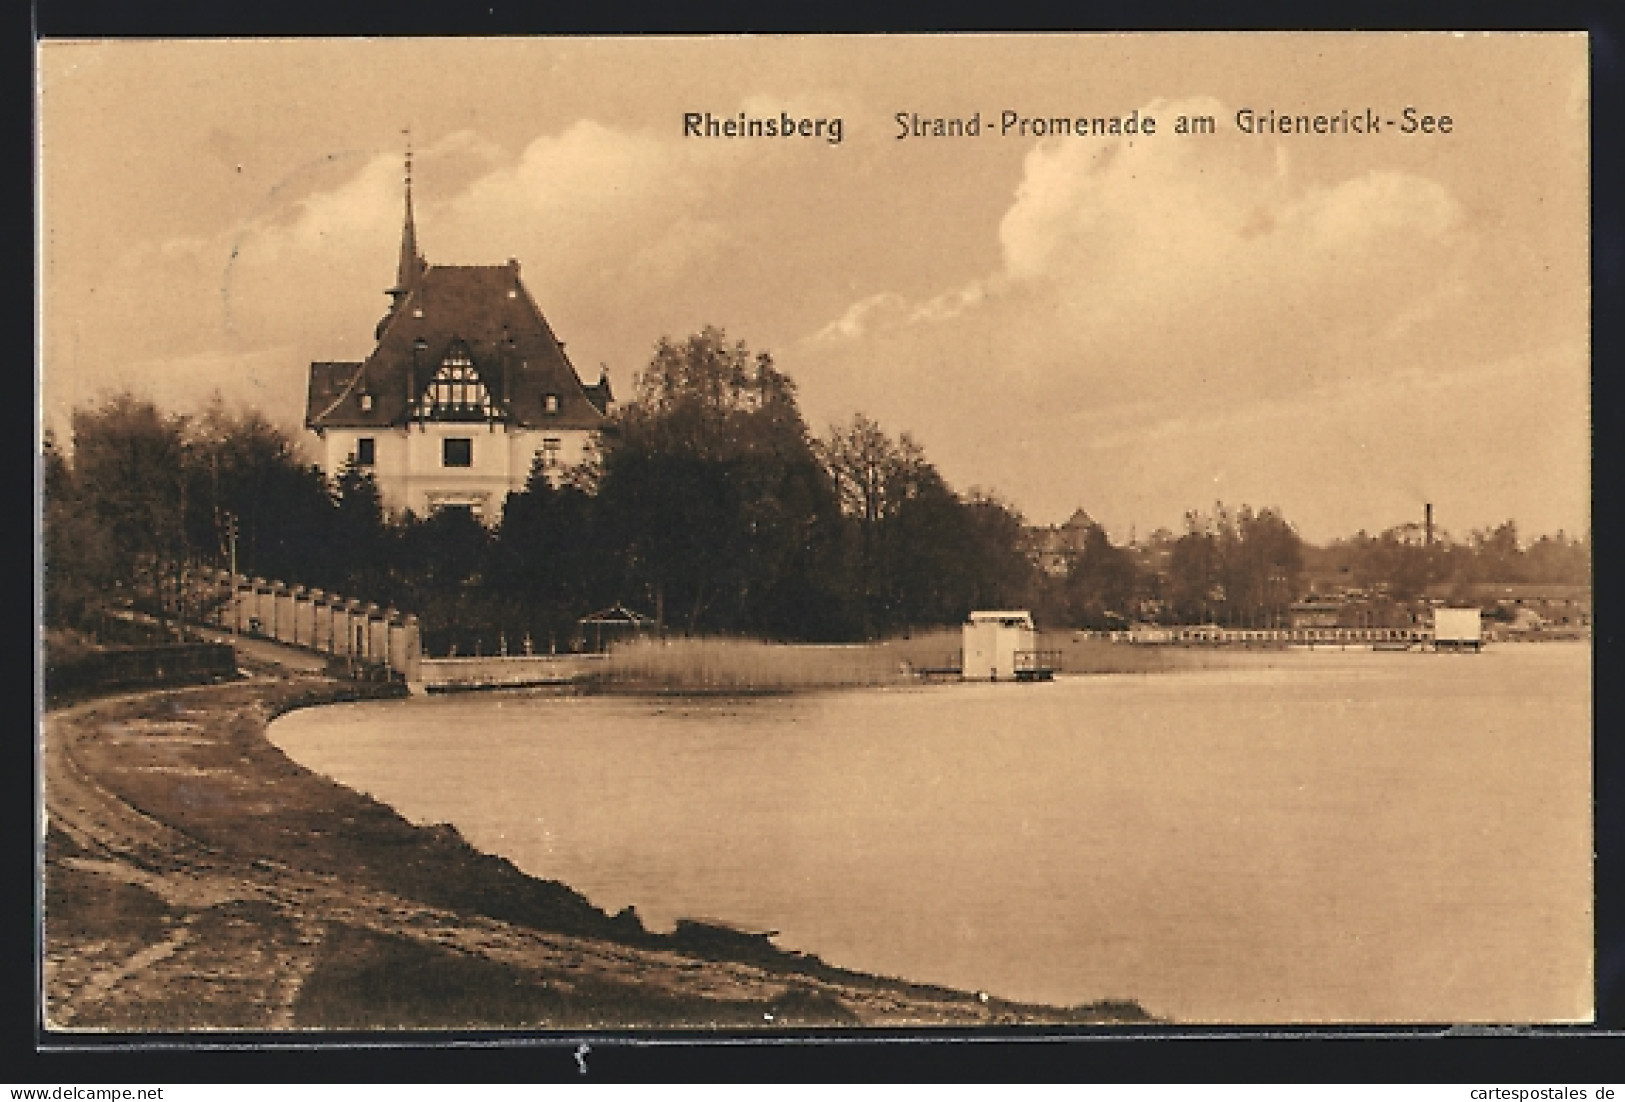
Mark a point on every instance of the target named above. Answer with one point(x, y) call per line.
point(758, 534)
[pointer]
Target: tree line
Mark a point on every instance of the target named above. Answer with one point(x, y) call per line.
point(710, 507)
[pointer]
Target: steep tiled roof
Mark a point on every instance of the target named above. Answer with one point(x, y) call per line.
point(327, 382)
point(599, 393)
point(488, 311)
point(1079, 519)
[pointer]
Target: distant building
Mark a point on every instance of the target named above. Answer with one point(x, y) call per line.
point(466, 390)
point(1053, 549)
point(1526, 604)
point(1315, 614)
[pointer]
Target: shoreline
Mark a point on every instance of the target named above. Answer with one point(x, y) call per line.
point(197, 878)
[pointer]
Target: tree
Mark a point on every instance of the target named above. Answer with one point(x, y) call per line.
point(130, 468)
point(712, 496)
point(1559, 559)
point(547, 561)
point(359, 542)
point(1497, 554)
point(1263, 559)
point(1235, 567)
point(1101, 585)
point(149, 496)
point(873, 474)
point(1194, 585)
point(440, 566)
point(874, 478)
point(79, 559)
point(248, 474)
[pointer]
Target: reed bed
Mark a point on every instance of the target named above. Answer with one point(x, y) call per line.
point(745, 665)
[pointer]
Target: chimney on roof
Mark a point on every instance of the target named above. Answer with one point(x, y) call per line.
point(513, 264)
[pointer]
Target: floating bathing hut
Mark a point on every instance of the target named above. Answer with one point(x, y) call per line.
point(1003, 646)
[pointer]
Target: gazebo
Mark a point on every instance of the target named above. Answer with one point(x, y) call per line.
point(612, 625)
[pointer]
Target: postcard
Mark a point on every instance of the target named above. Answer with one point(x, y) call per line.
point(777, 532)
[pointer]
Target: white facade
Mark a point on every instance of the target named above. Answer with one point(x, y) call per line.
point(416, 469)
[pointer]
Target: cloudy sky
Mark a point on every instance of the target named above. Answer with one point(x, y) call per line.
point(1344, 326)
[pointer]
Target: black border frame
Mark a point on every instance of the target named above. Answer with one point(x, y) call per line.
point(1578, 1056)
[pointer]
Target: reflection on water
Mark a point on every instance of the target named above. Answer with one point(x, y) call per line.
point(1319, 836)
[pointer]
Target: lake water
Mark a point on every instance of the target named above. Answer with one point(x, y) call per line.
point(1309, 837)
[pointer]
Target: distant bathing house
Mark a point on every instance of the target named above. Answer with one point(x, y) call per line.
point(466, 389)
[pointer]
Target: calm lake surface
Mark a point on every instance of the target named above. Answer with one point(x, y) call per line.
point(1310, 836)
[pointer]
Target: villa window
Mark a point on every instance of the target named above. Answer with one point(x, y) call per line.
point(552, 448)
point(457, 451)
point(365, 452)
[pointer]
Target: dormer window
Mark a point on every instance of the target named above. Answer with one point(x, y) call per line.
point(551, 403)
point(456, 393)
point(366, 402)
point(417, 311)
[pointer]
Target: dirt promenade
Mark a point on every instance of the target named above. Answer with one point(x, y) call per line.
point(196, 878)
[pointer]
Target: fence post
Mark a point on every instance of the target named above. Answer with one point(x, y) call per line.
point(256, 588)
point(358, 629)
point(307, 616)
point(352, 638)
point(411, 649)
point(373, 616)
point(278, 592)
point(317, 599)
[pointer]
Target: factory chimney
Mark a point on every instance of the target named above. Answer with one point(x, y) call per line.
point(1427, 523)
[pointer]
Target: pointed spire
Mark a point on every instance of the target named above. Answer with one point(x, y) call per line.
point(411, 263)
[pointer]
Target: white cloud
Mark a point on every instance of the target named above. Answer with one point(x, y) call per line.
point(301, 277)
point(1174, 319)
point(588, 196)
point(885, 308)
point(1132, 265)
